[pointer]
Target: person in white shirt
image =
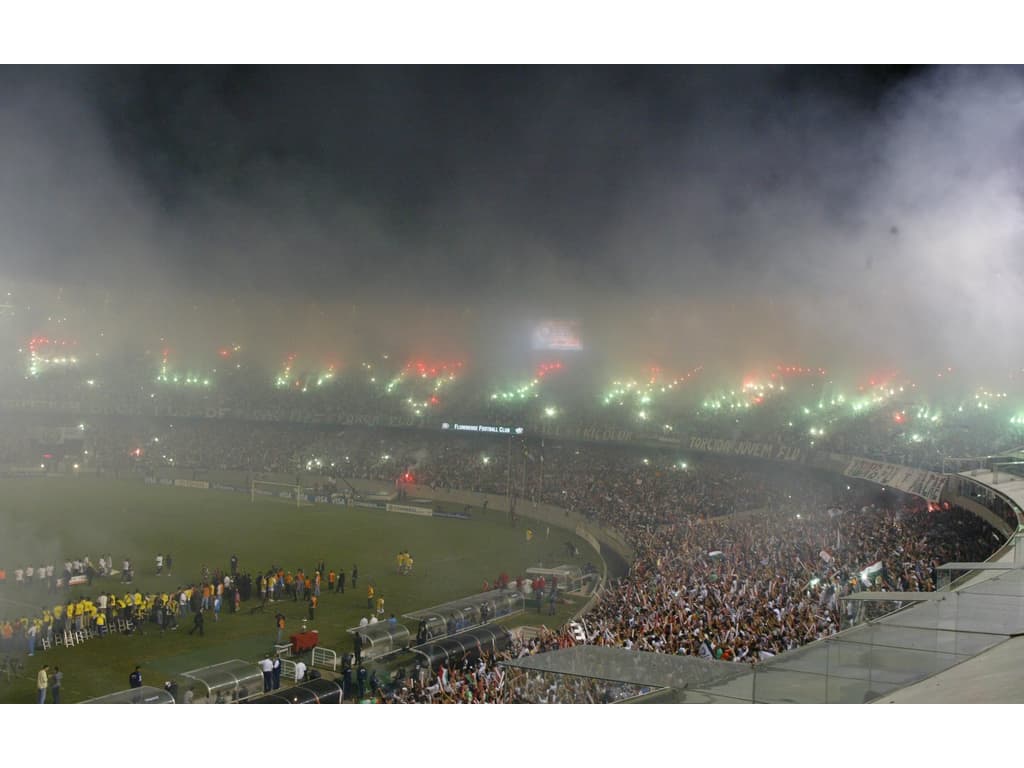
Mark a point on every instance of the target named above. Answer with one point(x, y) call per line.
point(267, 667)
point(300, 671)
point(19, 576)
point(159, 564)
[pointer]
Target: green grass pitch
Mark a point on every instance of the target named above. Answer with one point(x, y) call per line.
point(53, 519)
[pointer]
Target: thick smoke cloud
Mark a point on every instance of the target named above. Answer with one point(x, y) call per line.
point(730, 217)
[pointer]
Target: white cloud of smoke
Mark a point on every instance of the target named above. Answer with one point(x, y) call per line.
point(768, 222)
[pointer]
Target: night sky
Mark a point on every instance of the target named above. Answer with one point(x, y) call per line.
point(822, 196)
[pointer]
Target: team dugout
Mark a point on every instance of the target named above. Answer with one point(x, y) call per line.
point(224, 683)
point(458, 615)
point(469, 645)
point(319, 691)
point(382, 639)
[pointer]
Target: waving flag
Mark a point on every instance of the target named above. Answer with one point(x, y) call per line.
point(869, 573)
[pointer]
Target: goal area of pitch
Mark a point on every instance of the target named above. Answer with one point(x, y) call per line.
point(290, 492)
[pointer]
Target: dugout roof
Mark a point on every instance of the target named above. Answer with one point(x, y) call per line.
point(472, 611)
point(225, 682)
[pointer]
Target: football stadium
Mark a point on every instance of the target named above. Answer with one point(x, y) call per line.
point(498, 558)
point(291, 412)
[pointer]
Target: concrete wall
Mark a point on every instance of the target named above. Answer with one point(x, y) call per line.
point(545, 513)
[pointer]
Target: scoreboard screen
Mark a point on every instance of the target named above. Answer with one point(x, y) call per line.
point(557, 335)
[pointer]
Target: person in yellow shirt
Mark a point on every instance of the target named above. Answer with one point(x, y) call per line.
point(101, 624)
point(380, 605)
point(42, 683)
point(369, 597)
point(48, 625)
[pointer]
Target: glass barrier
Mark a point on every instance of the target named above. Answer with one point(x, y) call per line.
point(527, 686)
point(858, 665)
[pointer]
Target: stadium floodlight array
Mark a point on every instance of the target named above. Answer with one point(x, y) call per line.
point(271, 491)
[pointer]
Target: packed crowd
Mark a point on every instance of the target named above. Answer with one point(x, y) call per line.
point(746, 589)
point(710, 577)
point(363, 397)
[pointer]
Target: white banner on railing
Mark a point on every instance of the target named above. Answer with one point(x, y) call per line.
point(746, 448)
point(404, 508)
point(919, 482)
